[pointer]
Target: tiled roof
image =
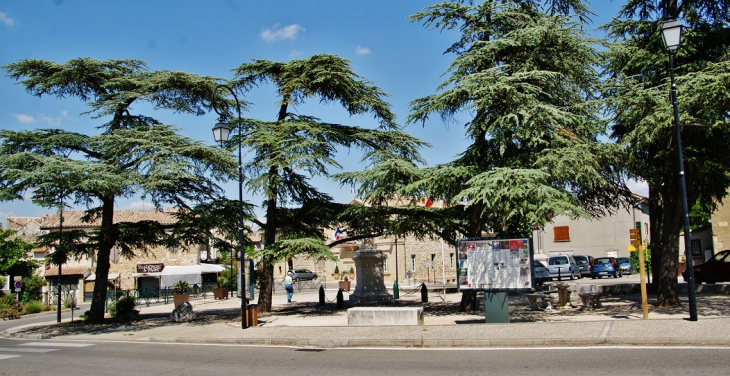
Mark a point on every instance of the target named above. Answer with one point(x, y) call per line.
point(67, 270)
point(22, 221)
point(73, 218)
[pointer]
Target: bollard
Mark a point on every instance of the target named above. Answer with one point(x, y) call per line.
point(424, 293)
point(340, 303)
point(321, 295)
point(396, 294)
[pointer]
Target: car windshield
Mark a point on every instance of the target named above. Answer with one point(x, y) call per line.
point(581, 260)
point(602, 261)
point(623, 261)
point(558, 261)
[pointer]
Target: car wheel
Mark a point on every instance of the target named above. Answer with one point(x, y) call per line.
point(593, 277)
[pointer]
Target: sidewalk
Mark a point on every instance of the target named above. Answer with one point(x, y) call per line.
point(304, 323)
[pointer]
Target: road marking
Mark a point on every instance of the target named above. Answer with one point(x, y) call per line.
point(606, 328)
point(20, 349)
point(57, 344)
point(8, 356)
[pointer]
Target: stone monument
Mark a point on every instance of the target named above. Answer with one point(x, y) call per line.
point(370, 286)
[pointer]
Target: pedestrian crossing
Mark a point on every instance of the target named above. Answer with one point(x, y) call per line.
point(28, 348)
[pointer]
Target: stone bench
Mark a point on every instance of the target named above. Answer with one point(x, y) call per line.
point(591, 299)
point(386, 316)
point(537, 301)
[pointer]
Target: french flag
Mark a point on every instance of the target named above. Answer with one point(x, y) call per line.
point(337, 233)
point(429, 203)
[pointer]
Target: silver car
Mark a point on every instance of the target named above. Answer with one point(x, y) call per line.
point(563, 266)
point(626, 266)
point(303, 275)
point(541, 273)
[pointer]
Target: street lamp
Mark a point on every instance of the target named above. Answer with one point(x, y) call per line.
point(221, 132)
point(672, 37)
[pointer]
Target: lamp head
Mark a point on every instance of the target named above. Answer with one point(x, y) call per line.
point(221, 131)
point(672, 35)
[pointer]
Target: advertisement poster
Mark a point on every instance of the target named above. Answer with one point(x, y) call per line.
point(495, 264)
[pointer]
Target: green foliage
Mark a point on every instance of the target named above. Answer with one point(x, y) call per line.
point(34, 306)
point(227, 278)
point(181, 287)
point(2, 282)
point(131, 154)
point(9, 307)
point(32, 288)
point(15, 254)
point(337, 269)
point(647, 260)
point(123, 310)
point(68, 301)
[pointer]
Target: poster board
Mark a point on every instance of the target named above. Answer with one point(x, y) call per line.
point(495, 264)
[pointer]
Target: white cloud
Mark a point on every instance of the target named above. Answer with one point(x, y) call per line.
point(55, 121)
point(9, 22)
point(638, 187)
point(360, 50)
point(282, 33)
point(295, 53)
point(136, 205)
point(24, 119)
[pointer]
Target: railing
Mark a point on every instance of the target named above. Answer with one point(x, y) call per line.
point(299, 285)
point(147, 295)
point(67, 291)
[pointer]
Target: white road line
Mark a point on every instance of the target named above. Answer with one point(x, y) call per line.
point(56, 344)
point(20, 349)
point(8, 356)
point(606, 328)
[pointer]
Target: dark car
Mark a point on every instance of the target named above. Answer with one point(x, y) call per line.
point(605, 267)
point(303, 275)
point(584, 262)
point(541, 273)
point(716, 269)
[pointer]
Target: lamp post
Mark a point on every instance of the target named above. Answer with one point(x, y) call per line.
point(60, 248)
point(672, 37)
point(221, 132)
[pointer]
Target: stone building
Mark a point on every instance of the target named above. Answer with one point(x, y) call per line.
point(720, 228)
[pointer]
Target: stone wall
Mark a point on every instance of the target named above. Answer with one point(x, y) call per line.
point(170, 257)
point(720, 227)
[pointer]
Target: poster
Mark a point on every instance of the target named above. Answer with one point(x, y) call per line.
point(495, 264)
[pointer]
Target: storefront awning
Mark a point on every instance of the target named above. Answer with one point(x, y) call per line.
point(92, 277)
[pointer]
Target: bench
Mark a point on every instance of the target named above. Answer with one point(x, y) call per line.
point(591, 299)
point(376, 316)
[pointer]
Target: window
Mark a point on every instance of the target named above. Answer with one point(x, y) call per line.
point(696, 247)
point(413, 263)
point(385, 266)
point(451, 260)
point(433, 261)
point(562, 233)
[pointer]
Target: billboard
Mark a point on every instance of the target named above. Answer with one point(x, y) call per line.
point(495, 264)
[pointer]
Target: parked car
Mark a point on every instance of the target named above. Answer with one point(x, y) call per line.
point(303, 275)
point(716, 269)
point(584, 262)
point(626, 266)
point(541, 273)
point(605, 267)
point(563, 266)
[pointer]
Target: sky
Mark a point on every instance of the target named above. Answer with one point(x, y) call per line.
point(211, 38)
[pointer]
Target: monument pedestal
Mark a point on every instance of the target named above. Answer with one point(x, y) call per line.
point(370, 286)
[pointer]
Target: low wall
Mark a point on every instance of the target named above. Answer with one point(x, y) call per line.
point(384, 316)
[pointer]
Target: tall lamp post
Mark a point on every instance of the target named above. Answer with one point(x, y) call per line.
point(221, 131)
point(672, 37)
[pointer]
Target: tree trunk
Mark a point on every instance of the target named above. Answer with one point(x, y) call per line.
point(266, 287)
point(468, 301)
point(666, 276)
point(106, 242)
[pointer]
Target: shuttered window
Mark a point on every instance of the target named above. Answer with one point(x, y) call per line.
point(562, 233)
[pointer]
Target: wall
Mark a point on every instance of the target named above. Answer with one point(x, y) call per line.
point(720, 227)
point(178, 257)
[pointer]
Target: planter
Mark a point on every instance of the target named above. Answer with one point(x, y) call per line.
point(220, 293)
point(336, 275)
point(345, 285)
point(179, 298)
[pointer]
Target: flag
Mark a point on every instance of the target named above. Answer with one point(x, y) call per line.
point(429, 203)
point(337, 233)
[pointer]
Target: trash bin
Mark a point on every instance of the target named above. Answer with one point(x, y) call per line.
point(252, 315)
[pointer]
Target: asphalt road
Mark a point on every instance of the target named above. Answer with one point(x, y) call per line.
point(34, 357)
point(43, 317)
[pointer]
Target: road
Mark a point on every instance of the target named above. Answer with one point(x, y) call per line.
point(43, 317)
point(27, 357)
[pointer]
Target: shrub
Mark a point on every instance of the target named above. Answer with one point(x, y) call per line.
point(181, 287)
point(2, 282)
point(124, 310)
point(34, 306)
point(68, 300)
point(32, 288)
point(9, 307)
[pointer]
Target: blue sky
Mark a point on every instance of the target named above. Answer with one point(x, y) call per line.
point(212, 37)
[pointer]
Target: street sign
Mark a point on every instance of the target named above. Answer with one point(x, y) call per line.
point(18, 285)
point(635, 236)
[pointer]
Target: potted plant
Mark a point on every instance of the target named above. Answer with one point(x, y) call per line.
point(220, 292)
point(352, 273)
point(336, 274)
point(180, 292)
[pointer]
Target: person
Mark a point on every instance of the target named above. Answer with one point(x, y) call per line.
point(288, 286)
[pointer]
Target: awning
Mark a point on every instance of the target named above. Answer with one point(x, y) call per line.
point(92, 277)
point(189, 273)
